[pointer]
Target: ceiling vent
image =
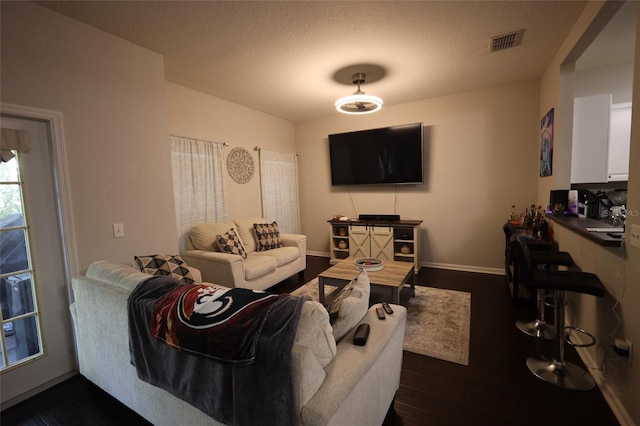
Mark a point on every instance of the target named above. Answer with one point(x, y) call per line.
point(506, 41)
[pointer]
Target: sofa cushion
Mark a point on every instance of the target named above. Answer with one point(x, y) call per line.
point(230, 242)
point(283, 255)
point(246, 231)
point(353, 307)
point(161, 264)
point(315, 332)
point(267, 236)
point(203, 235)
point(257, 266)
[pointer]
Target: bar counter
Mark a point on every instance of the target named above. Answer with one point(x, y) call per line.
point(579, 225)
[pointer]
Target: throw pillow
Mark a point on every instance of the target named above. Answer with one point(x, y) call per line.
point(267, 236)
point(160, 264)
point(230, 242)
point(353, 307)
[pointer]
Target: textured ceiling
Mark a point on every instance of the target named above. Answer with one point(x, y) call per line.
point(285, 58)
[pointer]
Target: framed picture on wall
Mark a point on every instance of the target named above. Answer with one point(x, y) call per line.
point(546, 144)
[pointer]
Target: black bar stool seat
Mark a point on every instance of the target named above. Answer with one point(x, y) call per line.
point(541, 256)
point(556, 370)
point(578, 282)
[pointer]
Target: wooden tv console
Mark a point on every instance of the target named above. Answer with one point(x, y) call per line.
point(397, 241)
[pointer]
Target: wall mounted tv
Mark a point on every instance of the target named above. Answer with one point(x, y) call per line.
point(389, 155)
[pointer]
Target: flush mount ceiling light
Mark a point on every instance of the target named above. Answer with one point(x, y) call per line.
point(358, 103)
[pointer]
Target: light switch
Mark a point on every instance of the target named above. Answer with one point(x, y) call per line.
point(118, 230)
point(635, 235)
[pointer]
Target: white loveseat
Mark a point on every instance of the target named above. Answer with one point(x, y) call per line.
point(333, 384)
point(258, 271)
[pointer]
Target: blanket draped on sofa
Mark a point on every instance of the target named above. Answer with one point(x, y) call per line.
point(247, 385)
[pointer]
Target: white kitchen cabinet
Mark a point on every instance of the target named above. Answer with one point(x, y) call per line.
point(589, 151)
point(619, 142)
point(601, 140)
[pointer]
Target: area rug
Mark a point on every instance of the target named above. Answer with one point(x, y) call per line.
point(438, 321)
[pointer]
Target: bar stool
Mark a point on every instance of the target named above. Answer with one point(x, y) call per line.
point(540, 257)
point(556, 370)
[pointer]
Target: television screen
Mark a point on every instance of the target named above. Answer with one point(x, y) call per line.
point(389, 155)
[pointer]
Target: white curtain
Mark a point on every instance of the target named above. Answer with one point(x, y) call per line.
point(13, 140)
point(279, 185)
point(198, 185)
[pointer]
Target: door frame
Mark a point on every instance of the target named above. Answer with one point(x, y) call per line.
point(53, 120)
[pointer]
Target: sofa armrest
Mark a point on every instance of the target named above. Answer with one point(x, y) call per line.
point(216, 267)
point(297, 240)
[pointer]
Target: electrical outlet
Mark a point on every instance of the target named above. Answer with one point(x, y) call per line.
point(118, 230)
point(635, 235)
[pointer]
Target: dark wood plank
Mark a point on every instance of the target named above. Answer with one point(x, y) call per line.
point(495, 388)
point(75, 401)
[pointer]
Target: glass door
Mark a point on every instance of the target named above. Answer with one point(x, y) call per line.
point(21, 337)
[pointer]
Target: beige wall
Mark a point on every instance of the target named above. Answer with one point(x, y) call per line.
point(197, 115)
point(618, 268)
point(481, 156)
point(111, 95)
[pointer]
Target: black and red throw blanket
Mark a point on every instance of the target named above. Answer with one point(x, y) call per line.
point(225, 351)
point(218, 322)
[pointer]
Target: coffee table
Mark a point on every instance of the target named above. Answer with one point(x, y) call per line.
point(392, 277)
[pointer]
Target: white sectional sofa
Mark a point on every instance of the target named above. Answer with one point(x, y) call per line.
point(333, 384)
point(258, 271)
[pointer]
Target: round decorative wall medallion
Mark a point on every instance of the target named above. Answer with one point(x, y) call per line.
point(240, 165)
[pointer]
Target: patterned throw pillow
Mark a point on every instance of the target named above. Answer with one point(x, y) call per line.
point(230, 242)
point(160, 264)
point(267, 236)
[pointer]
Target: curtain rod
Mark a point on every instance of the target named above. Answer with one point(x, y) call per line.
point(257, 148)
point(203, 140)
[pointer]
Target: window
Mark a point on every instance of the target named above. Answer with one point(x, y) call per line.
point(21, 338)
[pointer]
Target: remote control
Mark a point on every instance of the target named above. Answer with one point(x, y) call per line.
point(387, 308)
point(361, 335)
point(380, 313)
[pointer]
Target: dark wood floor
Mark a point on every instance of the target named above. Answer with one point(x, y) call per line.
point(496, 388)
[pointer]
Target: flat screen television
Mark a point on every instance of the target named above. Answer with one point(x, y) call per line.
point(388, 155)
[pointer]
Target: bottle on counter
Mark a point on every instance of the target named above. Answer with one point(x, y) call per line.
point(573, 201)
